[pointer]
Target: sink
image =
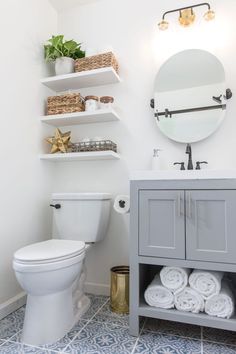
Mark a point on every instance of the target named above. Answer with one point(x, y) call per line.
point(181, 175)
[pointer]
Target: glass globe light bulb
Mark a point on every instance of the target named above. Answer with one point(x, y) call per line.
point(163, 25)
point(209, 15)
point(187, 17)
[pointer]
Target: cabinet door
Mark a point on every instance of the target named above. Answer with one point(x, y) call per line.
point(161, 223)
point(211, 225)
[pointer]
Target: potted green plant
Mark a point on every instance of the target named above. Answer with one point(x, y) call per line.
point(63, 53)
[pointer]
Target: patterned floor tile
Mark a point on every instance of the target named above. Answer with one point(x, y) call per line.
point(175, 328)
point(106, 315)
point(107, 333)
point(17, 348)
point(157, 343)
point(12, 324)
point(96, 302)
point(215, 348)
point(103, 338)
point(218, 335)
point(62, 343)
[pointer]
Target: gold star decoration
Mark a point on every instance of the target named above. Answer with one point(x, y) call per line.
point(60, 142)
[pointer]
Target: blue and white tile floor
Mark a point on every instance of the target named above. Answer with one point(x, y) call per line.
point(102, 332)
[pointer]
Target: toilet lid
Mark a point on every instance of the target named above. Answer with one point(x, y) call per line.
point(50, 250)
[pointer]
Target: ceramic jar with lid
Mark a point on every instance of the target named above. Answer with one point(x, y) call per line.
point(91, 103)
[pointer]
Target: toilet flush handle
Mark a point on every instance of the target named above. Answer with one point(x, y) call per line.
point(56, 206)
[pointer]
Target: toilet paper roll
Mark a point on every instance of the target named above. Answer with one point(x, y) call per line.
point(122, 204)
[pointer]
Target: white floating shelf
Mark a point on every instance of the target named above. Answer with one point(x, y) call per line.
point(99, 116)
point(81, 156)
point(91, 78)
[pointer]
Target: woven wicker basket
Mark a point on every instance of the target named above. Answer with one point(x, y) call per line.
point(97, 62)
point(69, 103)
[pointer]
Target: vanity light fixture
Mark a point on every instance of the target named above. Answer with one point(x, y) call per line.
point(186, 16)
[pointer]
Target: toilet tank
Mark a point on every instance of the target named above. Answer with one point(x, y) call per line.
point(81, 216)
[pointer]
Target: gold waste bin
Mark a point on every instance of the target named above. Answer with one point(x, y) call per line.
point(120, 289)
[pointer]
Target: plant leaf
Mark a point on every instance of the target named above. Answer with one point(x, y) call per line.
point(57, 48)
point(56, 40)
point(70, 45)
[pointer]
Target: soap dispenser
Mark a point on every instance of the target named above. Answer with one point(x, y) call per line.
point(156, 160)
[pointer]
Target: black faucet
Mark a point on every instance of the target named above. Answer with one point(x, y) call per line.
point(189, 152)
point(190, 161)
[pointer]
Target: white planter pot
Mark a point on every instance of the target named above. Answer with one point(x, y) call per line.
point(64, 65)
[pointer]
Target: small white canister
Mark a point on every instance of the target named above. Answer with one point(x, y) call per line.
point(91, 103)
point(106, 102)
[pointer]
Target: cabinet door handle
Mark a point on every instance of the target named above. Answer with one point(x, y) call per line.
point(179, 205)
point(189, 214)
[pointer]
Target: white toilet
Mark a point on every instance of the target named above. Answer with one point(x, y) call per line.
point(52, 272)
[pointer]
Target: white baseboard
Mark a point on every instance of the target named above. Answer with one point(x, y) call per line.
point(97, 289)
point(12, 304)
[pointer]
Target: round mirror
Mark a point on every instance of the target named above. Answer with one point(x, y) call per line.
point(190, 96)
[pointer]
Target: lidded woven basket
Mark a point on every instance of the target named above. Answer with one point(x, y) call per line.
point(99, 61)
point(68, 103)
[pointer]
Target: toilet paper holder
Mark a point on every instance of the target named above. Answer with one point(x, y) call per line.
point(122, 204)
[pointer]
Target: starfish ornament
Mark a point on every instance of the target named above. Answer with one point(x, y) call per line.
point(60, 141)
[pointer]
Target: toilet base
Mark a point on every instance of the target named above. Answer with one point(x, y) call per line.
point(44, 324)
point(48, 318)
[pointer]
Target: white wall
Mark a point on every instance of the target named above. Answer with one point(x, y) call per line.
point(26, 182)
point(61, 5)
point(131, 28)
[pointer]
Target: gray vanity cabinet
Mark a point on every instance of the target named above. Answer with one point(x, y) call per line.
point(194, 225)
point(161, 223)
point(185, 223)
point(211, 225)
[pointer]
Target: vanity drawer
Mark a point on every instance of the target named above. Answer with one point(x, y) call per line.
point(161, 223)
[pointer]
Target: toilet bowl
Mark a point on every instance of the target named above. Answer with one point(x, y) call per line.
point(47, 271)
point(52, 272)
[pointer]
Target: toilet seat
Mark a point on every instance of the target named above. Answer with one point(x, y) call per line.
point(48, 255)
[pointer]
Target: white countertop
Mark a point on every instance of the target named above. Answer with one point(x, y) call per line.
point(144, 175)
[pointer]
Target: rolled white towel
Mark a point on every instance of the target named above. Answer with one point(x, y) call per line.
point(157, 295)
point(221, 305)
point(207, 283)
point(174, 278)
point(189, 300)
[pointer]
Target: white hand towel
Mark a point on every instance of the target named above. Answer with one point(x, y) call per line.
point(157, 295)
point(174, 278)
point(221, 305)
point(207, 283)
point(189, 300)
